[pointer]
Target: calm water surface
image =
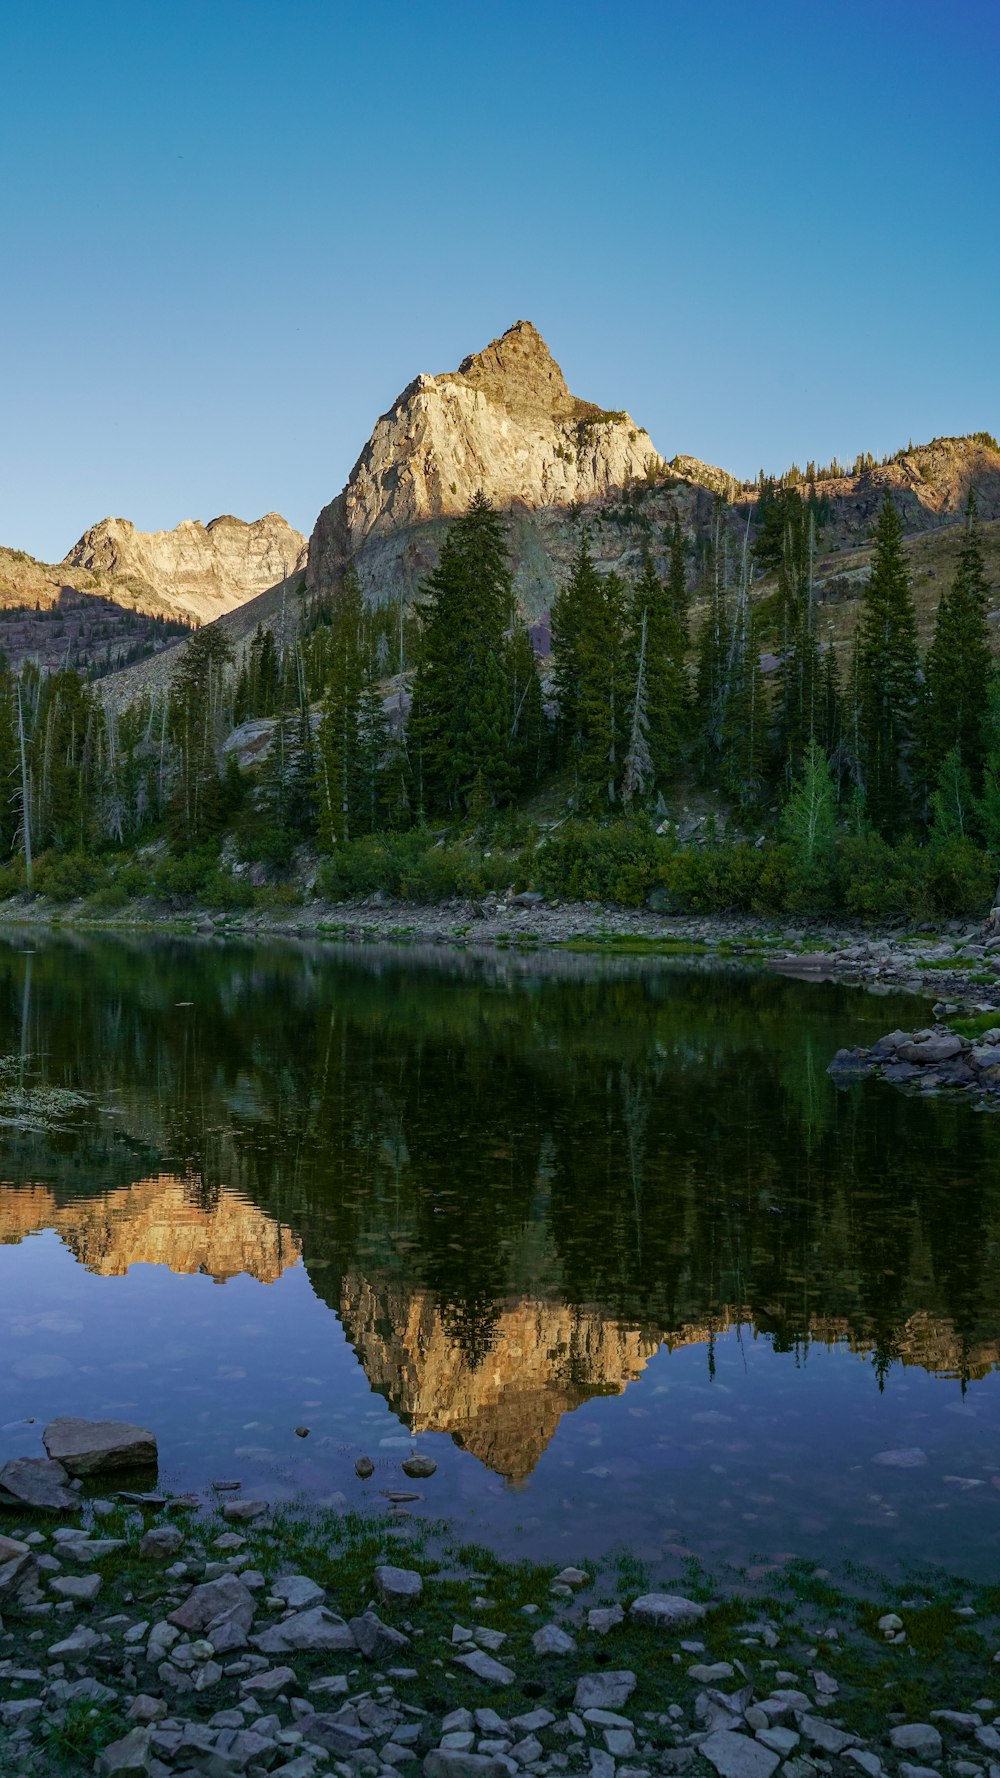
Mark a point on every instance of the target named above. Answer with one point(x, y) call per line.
point(600, 1237)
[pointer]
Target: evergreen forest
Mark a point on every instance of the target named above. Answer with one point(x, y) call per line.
point(426, 752)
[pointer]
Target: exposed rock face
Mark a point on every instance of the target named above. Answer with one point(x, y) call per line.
point(546, 1359)
point(199, 570)
point(155, 1222)
point(504, 422)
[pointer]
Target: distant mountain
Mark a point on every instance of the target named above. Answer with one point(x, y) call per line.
point(200, 571)
point(122, 594)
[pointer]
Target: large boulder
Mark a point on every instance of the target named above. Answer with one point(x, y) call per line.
point(220, 1610)
point(316, 1631)
point(39, 1483)
point(88, 1447)
point(940, 1046)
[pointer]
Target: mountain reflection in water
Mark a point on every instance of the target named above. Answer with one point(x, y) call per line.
point(514, 1182)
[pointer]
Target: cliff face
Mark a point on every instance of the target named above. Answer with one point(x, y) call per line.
point(505, 422)
point(157, 1222)
point(544, 1359)
point(196, 570)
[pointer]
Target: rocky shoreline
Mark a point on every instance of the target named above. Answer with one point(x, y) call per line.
point(933, 1060)
point(958, 960)
point(158, 1637)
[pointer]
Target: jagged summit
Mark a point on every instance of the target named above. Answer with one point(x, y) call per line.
point(199, 570)
point(504, 422)
point(519, 373)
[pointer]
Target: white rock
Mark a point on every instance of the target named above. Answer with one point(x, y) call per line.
point(604, 1691)
point(736, 1756)
point(667, 1611)
point(86, 1447)
point(397, 1585)
point(551, 1640)
point(919, 1738)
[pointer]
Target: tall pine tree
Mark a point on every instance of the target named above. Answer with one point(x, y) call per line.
point(886, 678)
point(959, 667)
point(459, 726)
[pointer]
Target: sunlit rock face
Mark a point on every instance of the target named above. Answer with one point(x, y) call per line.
point(502, 1399)
point(158, 1222)
point(504, 422)
point(199, 571)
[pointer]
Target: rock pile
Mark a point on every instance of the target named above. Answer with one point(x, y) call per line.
point(931, 1061)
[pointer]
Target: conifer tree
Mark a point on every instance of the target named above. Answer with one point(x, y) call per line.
point(571, 615)
point(659, 614)
point(887, 677)
point(460, 731)
point(528, 727)
point(799, 708)
point(959, 666)
point(639, 769)
point(337, 762)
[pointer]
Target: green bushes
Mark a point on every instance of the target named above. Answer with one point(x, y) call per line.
point(413, 867)
point(584, 862)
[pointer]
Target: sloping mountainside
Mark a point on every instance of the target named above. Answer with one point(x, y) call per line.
point(201, 571)
point(122, 593)
point(506, 422)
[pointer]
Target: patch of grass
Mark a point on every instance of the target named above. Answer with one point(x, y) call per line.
point(976, 1024)
point(74, 1743)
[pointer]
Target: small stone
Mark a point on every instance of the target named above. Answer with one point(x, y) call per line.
point(823, 1734)
point(130, 1754)
point(486, 1668)
point(780, 1741)
point(551, 1640)
point(317, 1630)
point(667, 1611)
point(397, 1586)
point(869, 1762)
point(302, 1432)
point(418, 1468)
point(889, 1622)
point(162, 1542)
point(297, 1591)
point(604, 1691)
point(572, 1577)
point(82, 1642)
point(712, 1673)
point(377, 1641)
point(145, 1709)
point(604, 1618)
point(736, 1756)
point(919, 1738)
point(243, 1512)
point(364, 1467)
point(442, 1763)
point(269, 1684)
point(82, 1589)
point(526, 1752)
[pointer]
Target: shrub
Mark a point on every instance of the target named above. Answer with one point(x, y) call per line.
point(68, 876)
point(185, 874)
point(584, 862)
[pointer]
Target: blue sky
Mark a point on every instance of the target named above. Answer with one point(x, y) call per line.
point(231, 233)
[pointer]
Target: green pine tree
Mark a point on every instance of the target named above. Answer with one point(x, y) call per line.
point(959, 666)
point(459, 726)
point(887, 678)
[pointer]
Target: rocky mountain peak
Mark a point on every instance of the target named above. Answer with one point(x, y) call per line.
point(200, 571)
point(519, 373)
point(504, 422)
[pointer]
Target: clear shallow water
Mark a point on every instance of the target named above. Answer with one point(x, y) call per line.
point(600, 1237)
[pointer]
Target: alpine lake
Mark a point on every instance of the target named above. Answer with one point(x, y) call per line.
point(598, 1235)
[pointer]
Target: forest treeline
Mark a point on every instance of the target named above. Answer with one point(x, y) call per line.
point(412, 746)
